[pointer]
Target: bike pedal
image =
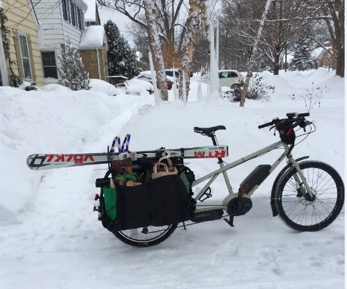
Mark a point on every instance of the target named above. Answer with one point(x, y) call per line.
point(206, 195)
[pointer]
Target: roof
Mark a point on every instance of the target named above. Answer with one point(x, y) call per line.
point(93, 37)
point(316, 53)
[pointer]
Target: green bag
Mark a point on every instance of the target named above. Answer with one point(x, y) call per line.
point(110, 199)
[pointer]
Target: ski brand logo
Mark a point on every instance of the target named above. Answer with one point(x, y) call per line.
point(75, 158)
point(210, 154)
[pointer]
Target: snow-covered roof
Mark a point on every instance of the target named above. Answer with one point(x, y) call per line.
point(90, 14)
point(316, 52)
point(93, 37)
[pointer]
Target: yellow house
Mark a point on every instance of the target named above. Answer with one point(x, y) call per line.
point(19, 47)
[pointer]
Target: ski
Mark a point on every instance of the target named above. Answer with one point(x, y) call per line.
point(54, 161)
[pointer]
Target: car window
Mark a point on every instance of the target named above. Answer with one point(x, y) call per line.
point(223, 74)
point(232, 74)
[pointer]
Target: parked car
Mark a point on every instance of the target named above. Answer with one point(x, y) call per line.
point(172, 73)
point(230, 78)
point(117, 80)
point(147, 76)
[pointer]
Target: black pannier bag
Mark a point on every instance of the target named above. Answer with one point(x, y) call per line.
point(163, 201)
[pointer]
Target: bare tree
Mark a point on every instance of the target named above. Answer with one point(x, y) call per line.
point(197, 14)
point(253, 54)
point(155, 45)
point(287, 19)
point(173, 26)
point(336, 27)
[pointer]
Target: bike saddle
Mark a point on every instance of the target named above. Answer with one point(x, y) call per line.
point(209, 131)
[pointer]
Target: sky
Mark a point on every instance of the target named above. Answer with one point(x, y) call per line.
point(50, 237)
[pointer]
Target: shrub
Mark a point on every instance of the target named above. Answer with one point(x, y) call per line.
point(71, 70)
point(311, 96)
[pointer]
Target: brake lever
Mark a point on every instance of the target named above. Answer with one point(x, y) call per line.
point(274, 126)
point(303, 124)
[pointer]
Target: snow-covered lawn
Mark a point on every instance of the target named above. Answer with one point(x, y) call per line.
point(51, 239)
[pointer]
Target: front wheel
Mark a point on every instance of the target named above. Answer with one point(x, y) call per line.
point(146, 236)
point(303, 212)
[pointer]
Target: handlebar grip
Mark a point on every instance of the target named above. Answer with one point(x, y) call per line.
point(304, 114)
point(265, 124)
point(274, 121)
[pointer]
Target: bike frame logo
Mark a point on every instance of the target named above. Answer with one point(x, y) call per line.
point(211, 153)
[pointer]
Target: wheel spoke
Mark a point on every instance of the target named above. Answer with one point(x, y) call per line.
point(310, 213)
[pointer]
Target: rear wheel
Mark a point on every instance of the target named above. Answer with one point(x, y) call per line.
point(303, 212)
point(146, 236)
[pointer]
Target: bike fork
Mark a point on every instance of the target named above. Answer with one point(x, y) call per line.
point(303, 187)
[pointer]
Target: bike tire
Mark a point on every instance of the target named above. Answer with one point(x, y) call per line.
point(302, 213)
point(145, 237)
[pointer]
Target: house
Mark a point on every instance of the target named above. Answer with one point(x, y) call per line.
point(316, 57)
point(59, 21)
point(19, 45)
point(93, 50)
point(37, 31)
point(328, 58)
point(93, 45)
point(71, 20)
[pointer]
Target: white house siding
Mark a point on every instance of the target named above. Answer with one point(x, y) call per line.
point(53, 29)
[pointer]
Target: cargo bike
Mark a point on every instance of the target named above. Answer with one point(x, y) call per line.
point(144, 196)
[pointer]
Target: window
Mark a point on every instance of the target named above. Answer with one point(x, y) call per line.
point(23, 44)
point(49, 64)
point(233, 74)
point(80, 18)
point(65, 4)
point(223, 74)
point(73, 13)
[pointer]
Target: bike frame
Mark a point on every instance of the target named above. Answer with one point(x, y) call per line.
point(224, 167)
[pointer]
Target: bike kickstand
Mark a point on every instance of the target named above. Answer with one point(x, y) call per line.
point(230, 222)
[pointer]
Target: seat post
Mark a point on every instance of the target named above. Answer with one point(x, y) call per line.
point(214, 139)
point(215, 143)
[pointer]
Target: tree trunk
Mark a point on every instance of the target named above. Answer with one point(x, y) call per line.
point(253, 55)
point(337, 11)
point(340, 62)
point(155, 46)
point(192, 32)
point(276, 64)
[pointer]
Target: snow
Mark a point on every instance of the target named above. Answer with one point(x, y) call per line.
point(50, 238)
point(93, 37)
point(98, 85)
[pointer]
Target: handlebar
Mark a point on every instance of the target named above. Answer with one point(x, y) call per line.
point(293, 120)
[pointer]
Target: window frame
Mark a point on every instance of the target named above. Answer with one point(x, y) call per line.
point(49, 66)
point(72, 14)
point(66, 9)
point(26, 57)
